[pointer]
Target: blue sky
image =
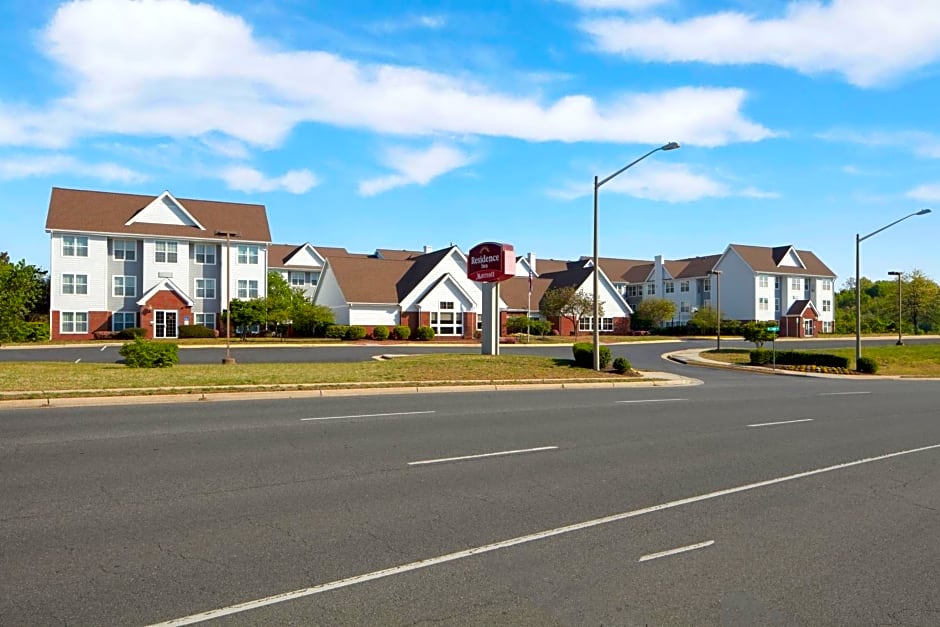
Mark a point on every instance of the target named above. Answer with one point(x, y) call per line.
point(376, 124)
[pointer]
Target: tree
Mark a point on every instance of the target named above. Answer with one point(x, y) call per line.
point(921, 298)
point(756, 332)
point(704, 320)
point(309, 319)
point(21, 287)
point(567, 302)
point(246, 313)
point(655, 310)
point(279, 302)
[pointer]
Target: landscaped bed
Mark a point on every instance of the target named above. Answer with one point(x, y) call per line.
point(911, 360)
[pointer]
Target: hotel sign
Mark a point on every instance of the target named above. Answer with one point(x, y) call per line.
point(490, 262)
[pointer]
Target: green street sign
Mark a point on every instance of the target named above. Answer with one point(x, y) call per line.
point(773, 329)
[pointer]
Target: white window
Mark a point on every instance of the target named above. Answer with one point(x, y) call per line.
point(247, 254)
point(777, 304)
point(670, 287)
point(205, 288)
point(827, 326)
point(124, 286)
point(74, 283)
point(298, 278)
point(73, 322)
point(125, 249)
point(684, 307)
point(205, 319)
point(763, 281)
point(74, 246)
point(683, 286)
point(247, 288)
point(651, 289)
point(707, 285)
point(763, 304)
point(204, 254)
point(121, 320)
point(796, 283)
point(166, 252)
point(827, 305)
point(634, 290)
point(586, 323)
point(314, 277)
point(777, 283)
point(826, 285)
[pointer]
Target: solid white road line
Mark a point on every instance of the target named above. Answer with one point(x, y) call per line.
point(842, 393)
point(681, 549)
point(782, 422)
point(397, 413)
point(656, 400)
point(482, 455)
point(504, 544)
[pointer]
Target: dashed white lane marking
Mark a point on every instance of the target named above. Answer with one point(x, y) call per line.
point(504, 544)
point(396, 413)
point(656, 400)
point(842, 393)
point(681, 549)
point(482, 455)
point(78, 360)
point(782, 422)
point(102, 349)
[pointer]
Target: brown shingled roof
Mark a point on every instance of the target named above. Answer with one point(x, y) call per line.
point(692, 267)
point(367, 279)
point(765, 259)
point(618, 269)
point(515, 292)
point(278, 254)
point(387, 253)
point(106, 212)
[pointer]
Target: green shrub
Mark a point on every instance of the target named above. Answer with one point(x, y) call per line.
point(867, 365)
point(401, 332)
point(355, 332)
point(622, 365)
point(149, 354)
point(584, 355)
point(195, 330)
point(32, 332)
point(761, 356)
point(380, 333)
point(424, 333)
point(533, 326)
point(336, 331)
point(131, 333)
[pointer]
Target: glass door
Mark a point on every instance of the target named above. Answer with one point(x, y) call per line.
point(165, 324)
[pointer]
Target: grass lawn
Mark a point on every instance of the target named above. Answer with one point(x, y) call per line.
point(430, 369)
point(913, 360)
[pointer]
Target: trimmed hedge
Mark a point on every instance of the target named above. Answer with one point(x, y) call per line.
point(762, 357)
point(380, 333)
point(149, 354)
point(131, 333)
point(336, 331)
point(355, 332)
point(424, 333)
point(195, 330)
point(401, 332)
point(522, 324)
point(867, 365)
point(584, 355)
point(621, 365)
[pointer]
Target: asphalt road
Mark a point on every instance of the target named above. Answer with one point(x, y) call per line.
point(135, 515)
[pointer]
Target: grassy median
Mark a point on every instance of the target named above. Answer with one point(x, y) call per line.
point(40, 379)
point(910, 360)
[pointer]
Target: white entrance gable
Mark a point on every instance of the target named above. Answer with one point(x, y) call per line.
point(165, 285)
point(305, 256)
point(164, 209)
point(446, 289)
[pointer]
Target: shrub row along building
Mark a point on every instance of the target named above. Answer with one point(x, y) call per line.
point(160, 262)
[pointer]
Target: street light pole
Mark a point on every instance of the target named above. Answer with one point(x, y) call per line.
point(858, 293)
point(597, 281)
point(898, 274)
point(228, 359)
point(717, 274)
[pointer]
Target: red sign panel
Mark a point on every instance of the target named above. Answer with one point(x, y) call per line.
point(490, 262)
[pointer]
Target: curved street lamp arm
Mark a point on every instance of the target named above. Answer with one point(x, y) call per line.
point(669, 146)
point(910, 215)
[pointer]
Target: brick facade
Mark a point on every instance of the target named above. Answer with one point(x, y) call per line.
point(167, 300)
point(97, 321)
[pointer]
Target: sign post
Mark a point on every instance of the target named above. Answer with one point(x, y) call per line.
point(773, 342)
point(489, 263)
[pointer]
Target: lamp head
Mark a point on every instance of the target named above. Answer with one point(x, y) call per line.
point(923, 212)
point(895, 273)
point(674, 145)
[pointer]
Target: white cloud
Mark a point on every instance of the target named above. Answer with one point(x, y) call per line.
point(927, 192)
point(918, 142)
point(245, 179)
point(189, 70)
point(46, 165)
point(415, 167)
point(867, 41)
point(617, 5)
point(666, 182)
point(432, 21)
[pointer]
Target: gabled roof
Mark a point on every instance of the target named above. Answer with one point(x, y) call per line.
point(618, 270)
point(420, 267)
point(448, 278)
point(163, 285)
point(799, 307)
point(388, 253)
point(767, 259)
point(515, 292)
point(693, 267)
point(368, 279)
point(279, 256)
point(86, 211)
point(545, 266)
point(335, 251)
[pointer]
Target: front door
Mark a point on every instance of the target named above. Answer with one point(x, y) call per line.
point(164, 323)
point(808, 327)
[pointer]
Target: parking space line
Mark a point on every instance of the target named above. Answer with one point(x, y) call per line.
point(396, 413)
point(842, 393)
point(782, 422)
point(655, 400)
point(482, 455)
point(681, 549)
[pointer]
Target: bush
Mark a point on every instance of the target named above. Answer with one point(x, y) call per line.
point(355, 332)
point(584, 355)
point(533, 326)
point(336, 331)
point(401, 332)
point(380, 333)
point(866, 365)
point(424, 333)
point(622, 365)
point(195, 330)
point(761, 356)
point(149, 354)
point(131, 333)
point(32, 332)
point(798, 358)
